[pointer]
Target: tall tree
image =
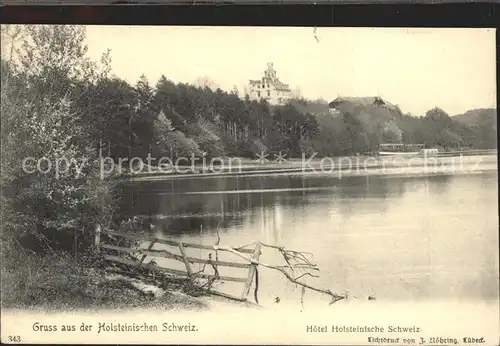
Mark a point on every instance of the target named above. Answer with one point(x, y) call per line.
point(48, 201)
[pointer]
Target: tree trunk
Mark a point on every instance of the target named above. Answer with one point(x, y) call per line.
point(131, 138)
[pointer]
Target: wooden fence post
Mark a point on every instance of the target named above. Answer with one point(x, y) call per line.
point(149, 248)
point(186, 262)
point(251, 272)
point(75, 243)
point(97, 241)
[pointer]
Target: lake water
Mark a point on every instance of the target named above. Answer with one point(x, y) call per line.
point(406, 237)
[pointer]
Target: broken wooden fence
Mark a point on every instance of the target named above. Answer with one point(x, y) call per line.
point(181, 257)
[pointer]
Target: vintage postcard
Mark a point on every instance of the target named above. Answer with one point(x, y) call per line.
point(246, 185)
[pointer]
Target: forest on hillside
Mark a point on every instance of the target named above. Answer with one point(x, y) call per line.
point(173, 120)
point(169, 119)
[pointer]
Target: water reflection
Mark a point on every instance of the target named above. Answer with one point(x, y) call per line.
point(188, 206)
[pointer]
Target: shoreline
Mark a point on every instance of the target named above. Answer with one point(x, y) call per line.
point(60, 283)
point(341, 166)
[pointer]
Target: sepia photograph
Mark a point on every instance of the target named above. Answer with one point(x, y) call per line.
point(182, 184)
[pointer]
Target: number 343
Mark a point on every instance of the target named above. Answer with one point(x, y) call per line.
point(16, 338)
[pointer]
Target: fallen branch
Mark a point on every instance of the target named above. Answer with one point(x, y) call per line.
point(291, 255)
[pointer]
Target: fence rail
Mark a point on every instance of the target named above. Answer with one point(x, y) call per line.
point(183, 257)
point(170, 242)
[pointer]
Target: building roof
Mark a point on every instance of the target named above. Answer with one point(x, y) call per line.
point(280, 86)
point(271, 79)
point(362, 101)
point(277, 84)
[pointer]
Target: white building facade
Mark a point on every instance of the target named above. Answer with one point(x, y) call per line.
point(269, 88)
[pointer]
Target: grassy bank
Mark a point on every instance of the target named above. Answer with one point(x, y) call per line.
point(59, 282)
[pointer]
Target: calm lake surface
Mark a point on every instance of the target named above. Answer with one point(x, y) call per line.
point(408, 237)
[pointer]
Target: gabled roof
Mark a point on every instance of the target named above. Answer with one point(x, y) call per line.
point(275, 83)
point(271, 79)
point(362, 101)
point(280, 86)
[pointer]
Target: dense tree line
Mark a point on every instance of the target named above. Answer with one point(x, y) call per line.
point(361, 129)
point(180, 120)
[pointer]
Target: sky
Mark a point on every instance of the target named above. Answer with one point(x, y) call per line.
point(415, 68)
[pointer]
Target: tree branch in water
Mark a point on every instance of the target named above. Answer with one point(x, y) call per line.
point(295, 260)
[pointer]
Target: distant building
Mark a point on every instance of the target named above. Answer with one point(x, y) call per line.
point(401, 147)
point(269, 88)
point(336, 106)
point(430, 152)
